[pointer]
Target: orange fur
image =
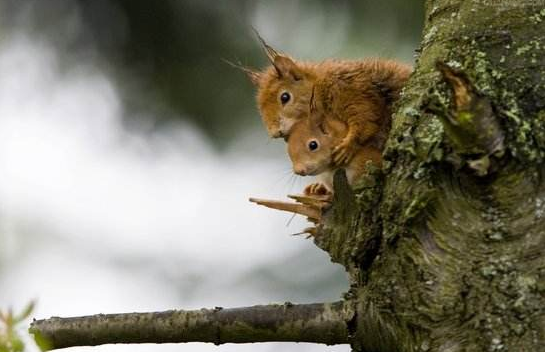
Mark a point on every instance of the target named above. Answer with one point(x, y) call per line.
point(358, 92)
point(361, 94)
point(327, 133)
point(297, 81)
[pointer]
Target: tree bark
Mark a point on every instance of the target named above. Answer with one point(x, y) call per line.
point(447, 242)
point(445, 245)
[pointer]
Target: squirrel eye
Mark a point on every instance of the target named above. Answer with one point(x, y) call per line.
point(313, 145)
point(285, 97)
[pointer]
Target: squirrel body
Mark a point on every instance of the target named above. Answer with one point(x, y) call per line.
point(311, 145)
point(359, 93)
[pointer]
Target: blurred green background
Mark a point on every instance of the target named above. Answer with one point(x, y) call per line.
point(175, 48)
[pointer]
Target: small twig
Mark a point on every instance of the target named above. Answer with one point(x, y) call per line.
point(324, 323)
point(312, 210)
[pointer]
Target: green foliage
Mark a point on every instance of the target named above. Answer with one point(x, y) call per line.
point(10, 338)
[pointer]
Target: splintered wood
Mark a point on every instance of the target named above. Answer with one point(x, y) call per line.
point(311, 206)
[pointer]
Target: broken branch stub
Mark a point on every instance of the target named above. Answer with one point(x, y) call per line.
point(312, 213)
point(311, 206)
point(470, 122)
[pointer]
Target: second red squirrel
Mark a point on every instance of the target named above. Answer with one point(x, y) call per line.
point(359, 93)
point(311, 145)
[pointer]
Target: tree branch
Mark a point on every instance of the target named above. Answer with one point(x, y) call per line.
point(318, 322)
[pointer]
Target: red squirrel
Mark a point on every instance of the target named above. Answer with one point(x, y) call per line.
point(359, 93)
point(311, 145)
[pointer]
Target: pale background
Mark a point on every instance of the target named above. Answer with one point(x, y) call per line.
point(128, 151)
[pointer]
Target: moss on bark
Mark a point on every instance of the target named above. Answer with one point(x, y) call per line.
point(449, 260)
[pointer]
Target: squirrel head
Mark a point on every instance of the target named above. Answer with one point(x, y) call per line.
point(283, 91)
point(311, 142)
point(283, 96)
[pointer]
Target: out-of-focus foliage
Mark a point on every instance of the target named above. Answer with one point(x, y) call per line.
point(175, 48)
point(10, 323)
point(179, 45)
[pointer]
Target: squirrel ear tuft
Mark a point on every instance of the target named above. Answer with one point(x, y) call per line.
point(254, 76)
point(315, 117)
point(312, 102)
point(286, 67)
point(269, 50)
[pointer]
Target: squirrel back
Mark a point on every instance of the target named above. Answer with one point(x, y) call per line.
point(363, 92)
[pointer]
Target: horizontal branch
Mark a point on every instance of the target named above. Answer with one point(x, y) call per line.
point(324, 323)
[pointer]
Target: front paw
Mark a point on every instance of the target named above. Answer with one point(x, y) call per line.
point(316, 189)
point(344, 152)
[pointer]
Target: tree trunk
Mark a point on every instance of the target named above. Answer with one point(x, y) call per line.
point(445, 245)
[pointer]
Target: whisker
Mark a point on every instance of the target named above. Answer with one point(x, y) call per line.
point(286, 174)
point(290, 220)
point(293, 179)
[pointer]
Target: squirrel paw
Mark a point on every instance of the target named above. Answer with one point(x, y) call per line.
point(344, 152)
point(316, 189)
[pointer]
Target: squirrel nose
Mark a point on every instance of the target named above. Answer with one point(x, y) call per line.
point(277, 134)
point(300, 170)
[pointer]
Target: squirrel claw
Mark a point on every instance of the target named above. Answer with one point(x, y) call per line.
point(343, 153)
point(314, 201)
point(318, 189)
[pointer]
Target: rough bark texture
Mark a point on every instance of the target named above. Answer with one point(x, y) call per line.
point(445, 245)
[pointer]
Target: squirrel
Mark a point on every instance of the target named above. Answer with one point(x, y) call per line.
point(359, 93)
point(311, 145)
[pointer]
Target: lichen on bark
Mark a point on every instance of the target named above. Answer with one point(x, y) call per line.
point(458, 258)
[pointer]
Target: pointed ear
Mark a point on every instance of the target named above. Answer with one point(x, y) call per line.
point(286, 67)
point(315, 116)
point(312, 102)
point(269, 50)
point(254, 76)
